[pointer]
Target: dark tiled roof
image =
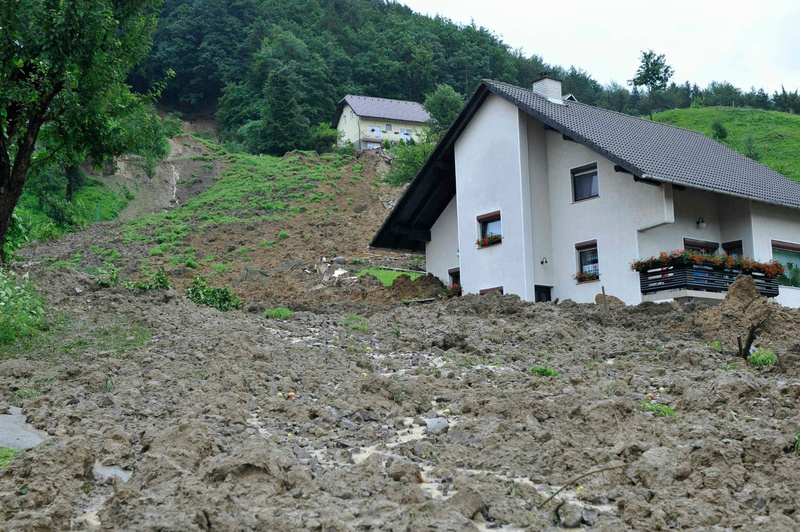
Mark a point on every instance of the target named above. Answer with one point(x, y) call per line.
point(657, 151)
point(384, 108)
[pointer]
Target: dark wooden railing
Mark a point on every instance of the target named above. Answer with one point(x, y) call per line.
point(677, 275)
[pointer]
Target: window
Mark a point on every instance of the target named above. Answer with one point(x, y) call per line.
point(702, 246)
point(734, 249)
point(406, 133)
point(584, 182)
point(388, 127)
point(588, 260)
point(495, 289)
point(491, 230)
point(344, 119)
point(789, 255)
point(375, 131)
point(351, 115)
point(455, 276)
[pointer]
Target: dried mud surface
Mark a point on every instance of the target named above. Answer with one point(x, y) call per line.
point(404, 417)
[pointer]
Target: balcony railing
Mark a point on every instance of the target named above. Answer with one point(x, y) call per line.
point(677, 275)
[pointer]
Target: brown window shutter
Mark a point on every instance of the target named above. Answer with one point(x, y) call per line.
point(702, 244)
point(451, 271)
point(495, 289)
point(589, 244)
point(489, 217)
point(786, 246)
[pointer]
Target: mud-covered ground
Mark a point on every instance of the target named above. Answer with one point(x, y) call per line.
point(172, 417)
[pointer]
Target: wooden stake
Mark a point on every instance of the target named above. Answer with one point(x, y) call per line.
point(605, 303)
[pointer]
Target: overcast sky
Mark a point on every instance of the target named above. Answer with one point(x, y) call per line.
point(747, 43)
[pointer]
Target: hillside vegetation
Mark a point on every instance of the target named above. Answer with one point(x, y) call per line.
point(776, 135)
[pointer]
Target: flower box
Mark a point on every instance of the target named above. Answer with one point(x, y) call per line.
point(586, 277)
point(490, 240)
point(769, 269)
point(452, 291)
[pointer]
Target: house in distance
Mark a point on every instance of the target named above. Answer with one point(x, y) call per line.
point(534, 194)
point(369, 122)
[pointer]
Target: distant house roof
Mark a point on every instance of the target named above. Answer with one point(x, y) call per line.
point(384, 108)
point(648, 150)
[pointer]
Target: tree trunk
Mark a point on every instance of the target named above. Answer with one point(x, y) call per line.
point(11, 183)
point(650, 104)
point(73, 180)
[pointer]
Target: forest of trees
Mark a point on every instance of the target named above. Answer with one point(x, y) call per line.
point(231, 57)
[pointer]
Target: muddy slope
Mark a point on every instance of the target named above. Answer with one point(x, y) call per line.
point(403, 417)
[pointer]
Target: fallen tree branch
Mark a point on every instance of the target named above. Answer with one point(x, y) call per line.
point(576, 479)
point(751, 337)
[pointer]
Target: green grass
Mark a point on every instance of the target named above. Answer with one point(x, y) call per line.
point(543, 371)
point(22, 310)
point(762, 357)
point(280, 313)
point(356, 323)
point(250, 189)
point(797, 441)
point(387, 277)
point(658, 410)
point(24, 394)
point(6, 455)
point(776, 134)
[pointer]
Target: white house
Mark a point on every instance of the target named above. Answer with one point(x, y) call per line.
point(369, 122)
point(574, 188)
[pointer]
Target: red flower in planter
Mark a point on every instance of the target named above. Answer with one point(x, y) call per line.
point(489, 240)
point(452, 291)
point(770, 269)
point(585, 277)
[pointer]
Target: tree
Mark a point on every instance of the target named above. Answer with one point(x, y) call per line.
point(653, 73)
point(285, 127)
point(750, 147)
point(443, 105)
point(324, 138)
point(718, 130)
point(63, 65)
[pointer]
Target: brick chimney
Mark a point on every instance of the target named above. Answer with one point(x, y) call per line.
point(549, 85)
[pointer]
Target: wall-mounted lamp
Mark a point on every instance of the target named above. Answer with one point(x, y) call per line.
point(701, 223)
point(544, 260)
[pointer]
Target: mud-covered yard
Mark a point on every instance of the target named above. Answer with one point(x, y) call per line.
point(167, 416)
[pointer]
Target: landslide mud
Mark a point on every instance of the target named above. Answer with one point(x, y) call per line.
point(404, 417)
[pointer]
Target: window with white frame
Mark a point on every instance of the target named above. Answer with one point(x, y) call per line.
point(788, 254)
point(588, 258)
point(585, 183)
point(351, 115)
point(388, 127)
point(344, 119)
point(375, 131)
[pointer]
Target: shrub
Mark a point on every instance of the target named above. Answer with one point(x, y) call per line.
point(15, 238)
point(157, 281)
point(21, 307)
point(323, 138)
point(6, 455)
point(718, 130)
point(219, 298)
point(658, 410)
point(172, 125)
point(280, 313)
point(762, 357)
point(543, 371)
point(452, 291)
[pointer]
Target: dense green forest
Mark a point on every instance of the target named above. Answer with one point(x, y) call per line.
point(241, 58)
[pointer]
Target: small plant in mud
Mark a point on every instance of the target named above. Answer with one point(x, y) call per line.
point(356, 323)
point(6, 455)
point(283, 235)
point(543, 371)
point(219, 298)
point(658, 410)
point(24, 394)
point(762, 357)
point(797, 441)
point(158, 281)
point(108, 275)
point(267, 244)
point(279, 313)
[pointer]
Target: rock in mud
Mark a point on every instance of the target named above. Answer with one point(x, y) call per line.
point(570, 515)
point(468, 502)
point(400, 468)
point(437, 425)
point(611, 301)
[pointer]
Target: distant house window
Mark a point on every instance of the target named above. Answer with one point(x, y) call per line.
point(495, 289)
point(491, 229)
point(789, 255)
point(344, 119)
point(406, 132)
point(388, 127)
point(588, 259)
point(455, 276)
point(734, 249)
point(351, 115)
point(702, 246)
point(375, 131)
point(585, 184)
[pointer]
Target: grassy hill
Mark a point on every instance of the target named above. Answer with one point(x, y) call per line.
point(777, 135)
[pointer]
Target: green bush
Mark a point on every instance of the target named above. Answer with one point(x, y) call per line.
point(21, 308)
point(543, 371)
point(762, 357)
point(718, 130)
point(172, 125)
point(157, 281)
point(219, 298)
point(280, 313)
point(15, 238)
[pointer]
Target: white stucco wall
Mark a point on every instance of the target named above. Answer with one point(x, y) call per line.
point(612, 219)
point(488, 179)
point(441, 253)
point(540, 203)
point(773, 223)
point(735, 222)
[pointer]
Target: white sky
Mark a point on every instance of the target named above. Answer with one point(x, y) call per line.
point(746, 43)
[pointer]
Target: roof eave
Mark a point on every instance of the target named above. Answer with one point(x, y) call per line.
point(719, 191)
